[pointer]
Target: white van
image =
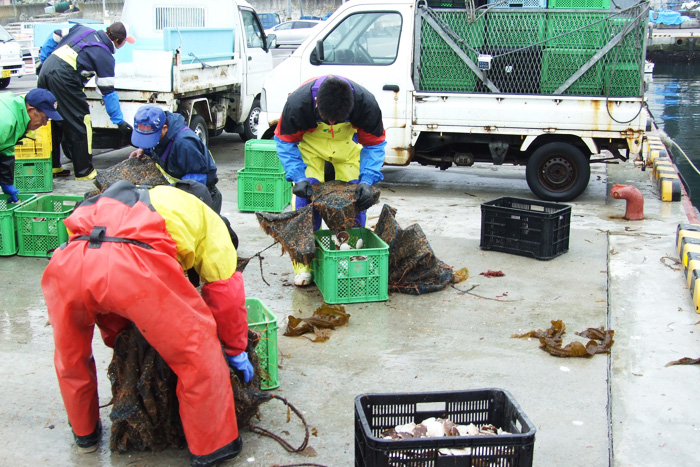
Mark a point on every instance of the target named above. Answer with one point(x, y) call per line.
point(11, 61)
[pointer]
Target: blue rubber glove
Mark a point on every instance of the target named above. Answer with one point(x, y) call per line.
point(12, 191)
point(201, 178)
point(241, 363)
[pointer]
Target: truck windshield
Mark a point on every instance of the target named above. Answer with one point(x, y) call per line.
point(364, 38)
point(5, 36)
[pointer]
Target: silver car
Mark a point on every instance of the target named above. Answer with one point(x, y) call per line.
point(292, 32)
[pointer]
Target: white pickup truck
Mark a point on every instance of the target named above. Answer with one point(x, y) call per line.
point(206, 60)
point(551, 89)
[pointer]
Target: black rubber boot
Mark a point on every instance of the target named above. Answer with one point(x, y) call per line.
point(88, 443)
point(227, 452)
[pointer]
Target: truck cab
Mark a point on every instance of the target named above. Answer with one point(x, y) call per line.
point(11, 60)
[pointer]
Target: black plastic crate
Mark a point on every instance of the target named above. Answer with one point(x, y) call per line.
point(375, 413)
point(524, 227)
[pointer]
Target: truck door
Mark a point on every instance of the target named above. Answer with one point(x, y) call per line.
point(372, 48)
point(258, 61)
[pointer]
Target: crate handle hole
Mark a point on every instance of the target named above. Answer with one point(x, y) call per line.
point(431, 407)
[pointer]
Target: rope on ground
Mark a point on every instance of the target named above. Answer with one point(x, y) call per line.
point(285, 444)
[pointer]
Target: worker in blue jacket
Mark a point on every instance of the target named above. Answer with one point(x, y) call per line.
point(82, 54)
point(177, 150)
point(330, 119)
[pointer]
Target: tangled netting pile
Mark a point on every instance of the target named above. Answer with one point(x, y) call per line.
point(334, 201)
point(413, 267)
point(145, 406)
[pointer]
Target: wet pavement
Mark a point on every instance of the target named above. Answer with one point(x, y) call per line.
point(625, 409)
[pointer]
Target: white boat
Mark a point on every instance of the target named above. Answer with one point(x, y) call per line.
point(648, 66)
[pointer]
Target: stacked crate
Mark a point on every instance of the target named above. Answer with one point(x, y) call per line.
point(8, 226)
point(33, 162)
point(261, 182)
point(40, 228)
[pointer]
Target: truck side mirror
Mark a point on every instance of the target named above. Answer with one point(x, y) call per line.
point(271, 41)
point(319, 51)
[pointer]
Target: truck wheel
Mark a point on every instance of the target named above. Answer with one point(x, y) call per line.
point(4, 82)
point(558, 172)
point(250, 125)
point(199, 126)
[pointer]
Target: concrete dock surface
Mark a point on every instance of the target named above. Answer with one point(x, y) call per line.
point(621, 409)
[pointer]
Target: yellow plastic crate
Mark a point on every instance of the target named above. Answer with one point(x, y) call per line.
point(36, 145)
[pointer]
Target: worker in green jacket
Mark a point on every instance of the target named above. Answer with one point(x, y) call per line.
point(18, 114)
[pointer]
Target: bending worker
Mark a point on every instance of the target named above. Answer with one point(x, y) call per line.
point(82, 54)
point(18, 114)
point(127, 250)
point(336, 120)
point(175, 148)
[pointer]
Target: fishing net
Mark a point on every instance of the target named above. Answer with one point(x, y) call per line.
point(137, 170)
point(334, 201)
point(413, 267)
point(145, 411)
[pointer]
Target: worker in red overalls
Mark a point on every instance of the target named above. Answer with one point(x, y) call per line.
point(124, 262)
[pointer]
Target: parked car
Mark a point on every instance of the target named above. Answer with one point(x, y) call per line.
point(292, 32)
point(269, 20)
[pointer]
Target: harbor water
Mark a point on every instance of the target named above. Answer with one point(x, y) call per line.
point(673, 95)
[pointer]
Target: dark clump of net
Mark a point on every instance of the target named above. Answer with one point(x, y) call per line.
point(137, 170)
point(413, 267)
point(145, 412)
point(334, 201)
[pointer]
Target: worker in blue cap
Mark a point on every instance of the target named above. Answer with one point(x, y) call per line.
point(175, 148)
point(19, 114)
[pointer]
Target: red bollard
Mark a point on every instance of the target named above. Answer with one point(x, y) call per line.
point(634, 198)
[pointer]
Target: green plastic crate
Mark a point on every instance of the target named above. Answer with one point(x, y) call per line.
point(33, 175)
point(261, 156)
point(515, 28)
point(577, 30)
point(260, 191)
point(560, 64)
point(342, 277)
point(261, 319)
point(8, 226)
point(40, 228)
point(623, 80)
point(579, 4)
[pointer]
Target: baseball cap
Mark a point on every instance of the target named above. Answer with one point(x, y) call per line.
point(121, 31)
point(148, 122)
point(43, 100)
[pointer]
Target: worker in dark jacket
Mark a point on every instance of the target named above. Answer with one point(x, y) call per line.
point(82, 54)
point(123, 264)
point(330, 119)
point(18, 114)
point(175, 148)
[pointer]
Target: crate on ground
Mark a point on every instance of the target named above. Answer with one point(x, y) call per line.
point(260, 155)
point(8, 226)
point(524, 227)
point(35, 145)
point(261, 319)
point(40, 228)
point(33, 175)
point(261, 191)
point(375, 413)
point(352, 276)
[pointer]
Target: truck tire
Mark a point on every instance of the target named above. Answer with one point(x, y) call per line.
point(250, 125)
point(558, 172)
point(4, 82)
point(199, 126)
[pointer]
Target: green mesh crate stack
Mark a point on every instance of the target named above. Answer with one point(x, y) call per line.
point(33, 172)
point(40, 228)
point(533, 50)
point(261, 182)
